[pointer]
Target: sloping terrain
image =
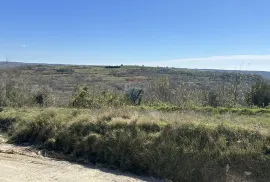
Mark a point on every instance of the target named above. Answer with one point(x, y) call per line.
point(25, 164)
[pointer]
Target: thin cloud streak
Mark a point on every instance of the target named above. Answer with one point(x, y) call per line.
point(246, 62)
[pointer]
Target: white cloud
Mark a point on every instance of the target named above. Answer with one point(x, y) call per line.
point(244, 62)
point(224, 58)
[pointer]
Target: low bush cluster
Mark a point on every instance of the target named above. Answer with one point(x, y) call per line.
point(84, 98)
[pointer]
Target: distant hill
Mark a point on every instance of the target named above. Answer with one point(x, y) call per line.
point(262, 73)
point(265, 74)
point(4, 64)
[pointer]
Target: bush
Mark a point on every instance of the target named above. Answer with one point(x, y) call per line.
point(42, 96)
point(65, 70)
point(83, 98)
point(18, 91)
point(135, 95)
point(260, 94)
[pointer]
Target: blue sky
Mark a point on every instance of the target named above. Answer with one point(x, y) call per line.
point(228, 34)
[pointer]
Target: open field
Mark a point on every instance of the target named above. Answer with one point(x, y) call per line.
point(180, 145)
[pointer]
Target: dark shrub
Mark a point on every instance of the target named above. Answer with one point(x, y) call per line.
point(260, 94)
point(135, 95)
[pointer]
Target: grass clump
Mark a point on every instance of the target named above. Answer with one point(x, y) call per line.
point(178, 146)
point(214, 110)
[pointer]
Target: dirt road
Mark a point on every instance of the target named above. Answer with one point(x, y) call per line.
point(23, 164)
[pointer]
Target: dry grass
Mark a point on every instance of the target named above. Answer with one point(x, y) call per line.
point(181, 146)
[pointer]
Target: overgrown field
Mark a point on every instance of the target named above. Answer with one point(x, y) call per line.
point(180, 87)
point(176, 145)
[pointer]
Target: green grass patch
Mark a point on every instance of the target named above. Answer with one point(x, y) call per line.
point(218, 110)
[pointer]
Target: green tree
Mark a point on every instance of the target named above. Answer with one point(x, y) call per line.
point(81, 98)
point(260, 94)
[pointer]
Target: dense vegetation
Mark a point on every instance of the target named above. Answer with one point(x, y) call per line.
point(197, 147)
point(177, 124)
point(179, 87)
